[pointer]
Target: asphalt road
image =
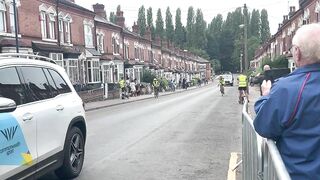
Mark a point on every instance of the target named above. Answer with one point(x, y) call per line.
point(188, 135)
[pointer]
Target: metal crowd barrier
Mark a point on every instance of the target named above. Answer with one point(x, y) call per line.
point(260, 157)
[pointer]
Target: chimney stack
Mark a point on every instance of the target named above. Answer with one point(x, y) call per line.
point(285, 19)
point(120, 19)
point(292, 10)
point(148, 34)
point(99, 10)
point(135, 28)
point(280, 25)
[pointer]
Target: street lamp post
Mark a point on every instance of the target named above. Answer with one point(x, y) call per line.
point(245, 12)
point(16, 25)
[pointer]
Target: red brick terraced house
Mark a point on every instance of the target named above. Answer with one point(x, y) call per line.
point(90, 48)
point(280, 43)
point(110, 45)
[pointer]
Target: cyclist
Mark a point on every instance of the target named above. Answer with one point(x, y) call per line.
point(156, 85)
point(221, 84)
point(243, 87)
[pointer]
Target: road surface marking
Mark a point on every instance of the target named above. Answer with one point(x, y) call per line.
point(232, 164)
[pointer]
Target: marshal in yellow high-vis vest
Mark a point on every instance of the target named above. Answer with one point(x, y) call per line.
point(243, 83)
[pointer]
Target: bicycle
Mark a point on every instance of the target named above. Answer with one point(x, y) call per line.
point(222, 89)
point(242, 95)
point(156, 92)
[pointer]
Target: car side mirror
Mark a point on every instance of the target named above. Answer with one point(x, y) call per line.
point(7, 105)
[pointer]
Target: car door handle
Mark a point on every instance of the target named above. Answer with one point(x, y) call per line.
point(27, 117)
point(59, 108)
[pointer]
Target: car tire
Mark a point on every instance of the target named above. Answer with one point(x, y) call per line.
point(231, 84)
point(74, 149)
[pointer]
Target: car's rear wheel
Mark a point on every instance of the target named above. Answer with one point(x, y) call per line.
point(73, 155)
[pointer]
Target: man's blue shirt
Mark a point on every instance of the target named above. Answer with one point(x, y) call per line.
point(290, 115)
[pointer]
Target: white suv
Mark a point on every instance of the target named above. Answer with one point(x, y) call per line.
point(42, 119)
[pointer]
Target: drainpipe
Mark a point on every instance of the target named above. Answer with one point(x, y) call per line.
point(16, 25)
point(57, 19)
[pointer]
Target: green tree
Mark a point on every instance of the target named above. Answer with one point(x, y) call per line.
point(159, 24)
point(169, 26)
point(142, 21)
point(213, 37)
point(190, 27)
point(179, 34)
point(265, 29)
point(199, 31)
point(255, 24)
point(150, 22)
point(112, 17)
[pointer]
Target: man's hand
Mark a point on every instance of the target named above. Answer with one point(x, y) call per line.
point(265, 87)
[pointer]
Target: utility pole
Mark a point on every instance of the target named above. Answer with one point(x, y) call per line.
point(245, 12)
point(16, 25)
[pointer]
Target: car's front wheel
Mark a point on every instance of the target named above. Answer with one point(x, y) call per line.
point(73, 155)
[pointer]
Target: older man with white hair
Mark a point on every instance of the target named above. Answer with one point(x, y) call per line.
point(288, 112)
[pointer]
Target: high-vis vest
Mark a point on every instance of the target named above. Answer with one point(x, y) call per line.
point(122, 83)
point(156, 83)
point(242, 81)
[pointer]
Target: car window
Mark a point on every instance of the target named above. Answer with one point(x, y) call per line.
point(10, 85)
point(52, 85)
point(36, 82)
point(60, 83)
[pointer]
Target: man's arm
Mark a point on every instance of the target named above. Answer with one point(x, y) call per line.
point(273, 110)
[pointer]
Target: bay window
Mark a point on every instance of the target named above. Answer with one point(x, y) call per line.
point(93, 71)
point(58, 58)
point(71, 66)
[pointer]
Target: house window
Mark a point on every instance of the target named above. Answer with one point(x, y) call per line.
point(11, 12)
point(58, 58)
point(93, 71)
point(72, 69)
point(141, 55)
point(136, 53)
point(67, 32)
point(52, 26)
point(126, 51)
point(115, 46)
point(61, 28)
point(43, 19)
point(2, 16)
point(100, 42)
point(107, 73)
point(88, 35)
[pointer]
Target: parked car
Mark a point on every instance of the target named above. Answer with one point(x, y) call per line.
point(42, 119)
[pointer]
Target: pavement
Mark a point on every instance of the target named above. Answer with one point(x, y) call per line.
point(115, 102)
point(253, 97)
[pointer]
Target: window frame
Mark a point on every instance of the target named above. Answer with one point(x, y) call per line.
point(21, 81)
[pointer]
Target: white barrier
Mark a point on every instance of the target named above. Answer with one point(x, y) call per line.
point(260, 157)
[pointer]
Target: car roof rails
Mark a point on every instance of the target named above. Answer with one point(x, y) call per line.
point(26, 56)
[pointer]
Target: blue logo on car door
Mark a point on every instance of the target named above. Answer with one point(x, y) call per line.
point(13, 147)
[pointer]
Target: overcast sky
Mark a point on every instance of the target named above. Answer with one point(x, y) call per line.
point(210, 8)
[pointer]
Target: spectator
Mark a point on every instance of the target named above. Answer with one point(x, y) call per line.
point(288, 111)
point(266, 76)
